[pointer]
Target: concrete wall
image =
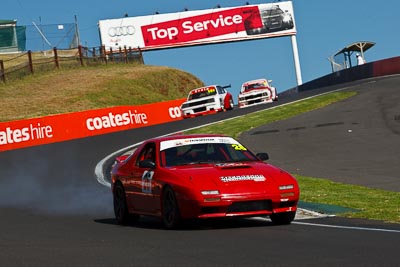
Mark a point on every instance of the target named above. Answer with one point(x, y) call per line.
point(369, 70)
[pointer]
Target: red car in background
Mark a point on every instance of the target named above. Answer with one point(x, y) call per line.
point(200, 176)
point(207, 100)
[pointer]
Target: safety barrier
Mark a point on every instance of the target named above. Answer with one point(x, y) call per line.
point(63, 127)
point(373, 69)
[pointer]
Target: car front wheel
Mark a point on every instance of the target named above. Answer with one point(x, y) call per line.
point(170, 210)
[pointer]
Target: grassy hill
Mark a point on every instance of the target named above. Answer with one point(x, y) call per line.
point(85, 88)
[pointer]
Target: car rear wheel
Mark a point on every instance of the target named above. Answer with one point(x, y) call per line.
point(229, 104)
point(283, 218)
point(170, 213)
point(121, 208)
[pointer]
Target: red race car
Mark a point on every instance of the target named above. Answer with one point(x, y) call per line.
point(200, 176)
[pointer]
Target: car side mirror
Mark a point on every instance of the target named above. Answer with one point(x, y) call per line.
point(262, 156)
point(147, 163)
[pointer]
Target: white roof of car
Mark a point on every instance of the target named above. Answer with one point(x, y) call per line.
point(255, 81)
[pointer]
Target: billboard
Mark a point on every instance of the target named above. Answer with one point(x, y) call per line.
point(199, 27)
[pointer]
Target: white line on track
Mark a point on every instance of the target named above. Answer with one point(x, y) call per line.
point(348, 227)
point(333, 226)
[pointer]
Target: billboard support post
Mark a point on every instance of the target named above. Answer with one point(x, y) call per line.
point(296, 60)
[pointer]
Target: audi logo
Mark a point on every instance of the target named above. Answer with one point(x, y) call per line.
point(175, 112)
point(121, 31)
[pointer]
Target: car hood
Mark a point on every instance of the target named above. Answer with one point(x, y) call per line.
point(199, 99)
point(235, 177)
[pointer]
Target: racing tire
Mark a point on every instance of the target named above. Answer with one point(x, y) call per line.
point(231, 104)
point(283, 217)
point(275, 98)
point(170, 210)
point(228, 105)
point(121, 208)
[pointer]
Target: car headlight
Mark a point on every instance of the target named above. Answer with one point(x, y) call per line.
point(286, 187)
point(211, 195)
point(209, 192)
point(286, 18)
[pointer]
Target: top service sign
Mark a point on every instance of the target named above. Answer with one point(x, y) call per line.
point(199, 27)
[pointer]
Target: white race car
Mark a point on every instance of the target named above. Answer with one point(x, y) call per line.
point(256, 92)
point(207, 100)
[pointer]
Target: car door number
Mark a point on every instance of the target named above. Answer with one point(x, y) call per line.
point(147, 177)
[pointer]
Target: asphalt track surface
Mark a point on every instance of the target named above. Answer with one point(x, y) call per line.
point(356, 141)
point(55, 213)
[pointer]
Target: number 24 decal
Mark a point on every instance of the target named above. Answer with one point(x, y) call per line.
point(238, 147)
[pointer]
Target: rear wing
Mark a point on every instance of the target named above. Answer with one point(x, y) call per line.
point(226, 86)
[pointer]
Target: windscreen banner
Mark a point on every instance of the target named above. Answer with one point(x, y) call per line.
point(199, 27)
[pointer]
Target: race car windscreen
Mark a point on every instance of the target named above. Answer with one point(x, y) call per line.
point(254, 86)
point(206, 153)
point(203, 92)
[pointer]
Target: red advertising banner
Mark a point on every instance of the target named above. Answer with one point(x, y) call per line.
point(199, 26)
point(58, 128)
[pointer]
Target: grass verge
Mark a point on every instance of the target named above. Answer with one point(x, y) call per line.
point(369, 203)
point(85, 88)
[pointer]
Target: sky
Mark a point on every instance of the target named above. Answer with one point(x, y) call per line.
point(323, 28)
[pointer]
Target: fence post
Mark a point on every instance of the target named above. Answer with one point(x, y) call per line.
point(130, 54)
point(2, 71)
point(125, 55)
point(30, 61)
point(120, 54)
point(56, 58)
point(111, 54)
point(141, 56)
point(103, 53)
point(94, 54)
point(80, 54)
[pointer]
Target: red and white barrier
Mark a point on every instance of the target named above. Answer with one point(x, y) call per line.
point(62, 127)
